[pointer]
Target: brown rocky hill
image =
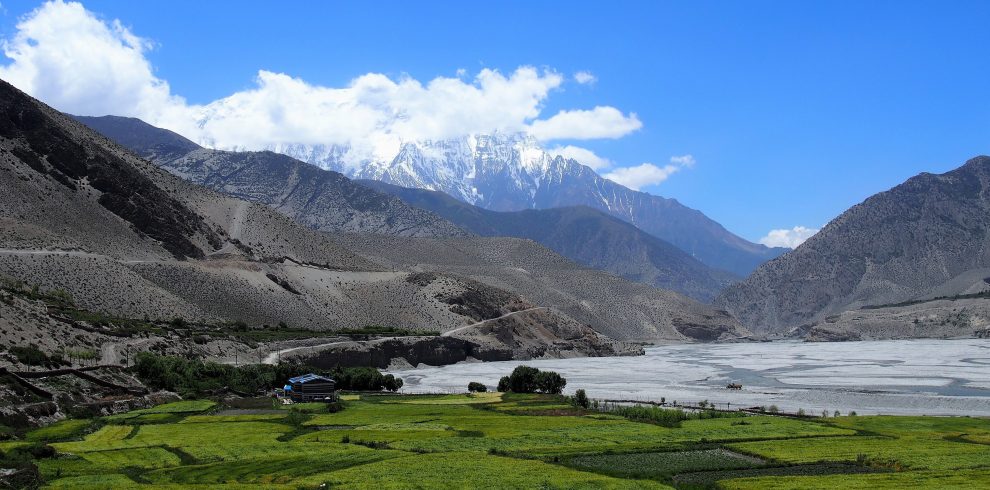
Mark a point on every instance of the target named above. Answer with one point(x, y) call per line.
point(924, 239)
point(122, 236)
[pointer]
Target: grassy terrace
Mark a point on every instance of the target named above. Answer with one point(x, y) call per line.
point(500, 441)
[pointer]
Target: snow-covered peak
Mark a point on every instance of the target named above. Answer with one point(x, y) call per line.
point(478, 168)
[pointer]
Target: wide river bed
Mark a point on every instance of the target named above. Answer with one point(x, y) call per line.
point(933, 377)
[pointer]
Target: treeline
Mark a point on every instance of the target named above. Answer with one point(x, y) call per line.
point(193, 377)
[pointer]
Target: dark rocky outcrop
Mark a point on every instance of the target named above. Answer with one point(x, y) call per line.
point(433, 351)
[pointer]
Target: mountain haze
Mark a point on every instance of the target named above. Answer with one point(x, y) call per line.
point(583, 234)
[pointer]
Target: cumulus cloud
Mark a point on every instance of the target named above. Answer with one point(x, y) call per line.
point(583, 156)
point(600, 122)
point(789, 238)
point(585, 78)
point(64, 55)
point(73, 60)
point(648, 174)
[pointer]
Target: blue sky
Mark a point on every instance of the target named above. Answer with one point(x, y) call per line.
point(793, 111)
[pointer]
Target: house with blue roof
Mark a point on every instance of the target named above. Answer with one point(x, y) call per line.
point(311, 387)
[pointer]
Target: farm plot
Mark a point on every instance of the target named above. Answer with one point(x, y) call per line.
point(918, 443)
point(503, 441)
point(654, 465)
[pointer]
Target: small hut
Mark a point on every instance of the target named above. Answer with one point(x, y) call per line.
point(311, 387)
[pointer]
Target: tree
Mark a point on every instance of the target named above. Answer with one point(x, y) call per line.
point(581, 398)
point(523, 379)
point(476, 387)
point(550, 382)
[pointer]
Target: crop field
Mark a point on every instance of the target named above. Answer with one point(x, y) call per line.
point(494, 440)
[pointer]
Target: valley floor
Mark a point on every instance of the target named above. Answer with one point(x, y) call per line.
point(495, 440)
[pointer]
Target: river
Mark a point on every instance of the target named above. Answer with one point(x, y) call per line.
point(930, 377)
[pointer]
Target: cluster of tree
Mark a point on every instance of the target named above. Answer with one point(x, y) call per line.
point(31, 355)
point(364, 379)
point(194, 377)
point(525, 379)
point(476, 387)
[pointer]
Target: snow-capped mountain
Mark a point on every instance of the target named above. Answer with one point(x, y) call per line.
point(497, 171)
point(511, 172)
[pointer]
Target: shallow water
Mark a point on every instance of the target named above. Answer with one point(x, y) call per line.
point(934, 377)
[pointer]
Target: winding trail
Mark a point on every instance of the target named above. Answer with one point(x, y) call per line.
point(275, 356)
point(482, 322)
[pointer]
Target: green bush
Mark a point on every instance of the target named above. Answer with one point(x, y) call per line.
point(476, 387)
point(581, 398)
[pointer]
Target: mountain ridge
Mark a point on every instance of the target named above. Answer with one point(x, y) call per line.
point(583, 234)
point(511, 172)
point(924, 238)
point(589, 296)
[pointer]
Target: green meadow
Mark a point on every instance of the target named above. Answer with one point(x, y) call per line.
point(494, 440)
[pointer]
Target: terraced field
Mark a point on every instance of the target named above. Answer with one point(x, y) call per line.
point(501, 441)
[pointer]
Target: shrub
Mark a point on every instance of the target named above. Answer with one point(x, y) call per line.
point(476, 387)
point(503, 384)
point(33, 356)
point(581, 398)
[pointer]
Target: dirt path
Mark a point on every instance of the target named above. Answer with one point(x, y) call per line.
point(69, 253)
point(237, 222)
point(274, 357)
point(482, 322)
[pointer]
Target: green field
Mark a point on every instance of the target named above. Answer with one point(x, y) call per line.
point(501, 441)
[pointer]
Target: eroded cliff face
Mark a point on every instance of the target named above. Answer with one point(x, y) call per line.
point(534, 333)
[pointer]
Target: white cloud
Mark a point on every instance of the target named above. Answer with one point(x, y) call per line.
point(683, 160)
point(585, 78)
point(788, 238)
point(583, 156)
point(67, 57)
point(648, 174)
point(641, 175)
point(600, 122)
point(78, 63)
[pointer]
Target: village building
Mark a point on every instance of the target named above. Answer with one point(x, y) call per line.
point(311, 387)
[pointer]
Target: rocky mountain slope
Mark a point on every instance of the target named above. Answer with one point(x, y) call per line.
point(619, 308)
point(323, 200)
point(582, 234)
point(315, 197)
point(83, 217)
point(923, 239)
point(511, 172)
